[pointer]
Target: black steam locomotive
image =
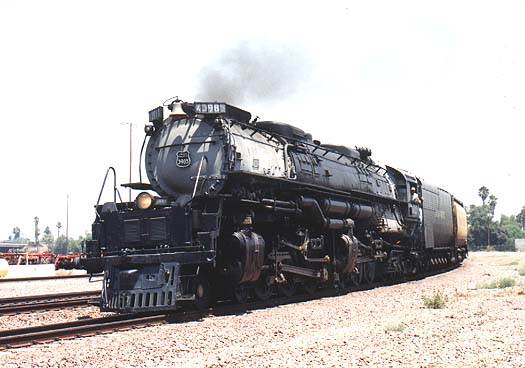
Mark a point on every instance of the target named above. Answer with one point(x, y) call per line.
point(256, 208)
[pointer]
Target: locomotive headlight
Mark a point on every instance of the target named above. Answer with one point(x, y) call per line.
point(144, 201)
point(149, 130)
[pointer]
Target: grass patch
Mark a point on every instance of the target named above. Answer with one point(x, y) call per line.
point(437, 300)
point(501, 283)
point(400, 327)
point(519, 267)
point(63, 272)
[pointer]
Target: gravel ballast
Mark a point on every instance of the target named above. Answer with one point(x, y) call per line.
point(387, 327)
point(23, 320)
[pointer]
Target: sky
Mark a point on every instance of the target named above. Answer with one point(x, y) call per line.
point(435, 88)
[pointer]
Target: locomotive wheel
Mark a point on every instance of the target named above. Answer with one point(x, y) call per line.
point(369, 272)
point(357, 278)
point(240, 294)
point(202, 293)
point(287, 288)
point(310, 286)
point(381, 271)
point(262, 290)
point(345, 280)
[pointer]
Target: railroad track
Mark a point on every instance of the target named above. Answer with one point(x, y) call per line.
point(41, 334)
point(22, 337)
point(84, 328)
point(26, 304)
point(44, 278)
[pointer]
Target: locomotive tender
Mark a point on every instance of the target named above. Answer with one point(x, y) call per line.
point(246, 207)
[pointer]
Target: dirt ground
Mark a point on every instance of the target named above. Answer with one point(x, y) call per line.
point(385, 327)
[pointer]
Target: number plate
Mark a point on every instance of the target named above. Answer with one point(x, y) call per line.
point(183, 159)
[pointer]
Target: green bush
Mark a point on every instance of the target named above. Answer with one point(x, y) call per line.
point(400, 327)
point(501, 283)
point(436, 300)
point(521, 270)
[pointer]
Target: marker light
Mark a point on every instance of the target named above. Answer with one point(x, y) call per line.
point(144, 201)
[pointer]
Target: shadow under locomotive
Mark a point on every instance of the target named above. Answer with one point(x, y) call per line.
point(237, 208)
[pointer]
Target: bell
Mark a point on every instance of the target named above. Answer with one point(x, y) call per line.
point(176, 110)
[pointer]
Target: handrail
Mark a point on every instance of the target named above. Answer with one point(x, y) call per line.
point(140, 158)
point(115, 190)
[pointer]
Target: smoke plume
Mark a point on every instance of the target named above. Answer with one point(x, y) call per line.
point(253, 72)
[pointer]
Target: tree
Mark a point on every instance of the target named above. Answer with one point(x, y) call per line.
point(512, 229)
point(16, 233)
point(492, 206)
point(48, 237)
point(479, 219)
point(71, 246)
point(483, 192)
point(60, 246)
point(521, 218)
point(493, 201)
point(483, 230)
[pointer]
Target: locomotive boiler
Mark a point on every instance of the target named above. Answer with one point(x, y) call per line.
point(238, 208)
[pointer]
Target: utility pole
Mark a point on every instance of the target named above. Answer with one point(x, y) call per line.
point(59, 225)
point(37, 233)
point(67, 222)
point(130, 152)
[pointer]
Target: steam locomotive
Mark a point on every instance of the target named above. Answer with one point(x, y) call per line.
point(238, 208)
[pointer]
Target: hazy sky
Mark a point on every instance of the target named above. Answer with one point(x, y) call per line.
point(437, 89)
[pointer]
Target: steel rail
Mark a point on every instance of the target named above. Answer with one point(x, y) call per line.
point(24, 304)
point(41, 297)
point(44, 278)
point(32, 335)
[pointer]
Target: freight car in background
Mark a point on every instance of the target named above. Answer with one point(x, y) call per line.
point(236, 208)
point(61, 261)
